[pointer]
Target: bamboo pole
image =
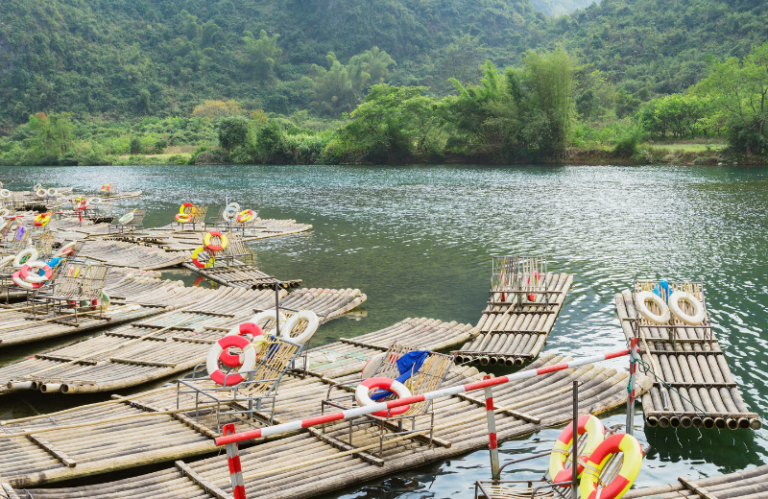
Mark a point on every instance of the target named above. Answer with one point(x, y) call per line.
point(61, 317)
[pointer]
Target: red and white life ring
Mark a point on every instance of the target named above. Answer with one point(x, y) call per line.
point(536, 278)
point(16, 278)
point(251, 332)
point(65, 250)
point(36, 278)
point(218, 348)
point(363, 398)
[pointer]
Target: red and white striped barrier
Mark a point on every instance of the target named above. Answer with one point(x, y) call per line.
point(634, 352)
point(414, 399)
point(493, 444)
point(235, 471)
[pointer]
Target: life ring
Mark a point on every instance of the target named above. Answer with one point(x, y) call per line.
point(38, 186)
point(65, 250)
point(82, 206)
point(95, 200)
point(245, 216)
point(363, 399)
point(185, 205)
point(106, 187)
point(41, 193)
point(42, 219)
point(642, 297)
point(564, 445)
point(181, 217)
point(126, 219)
point(52, 192)
point(633, 461)
point(26, 255)
point(36, 278)
point(196, 261)
point(215, 247)
point(309, 331)
point(7, 260)
point(234, 205)
point(262, 318)
point(16, 278)
point(251, 332)
point(218, 348)
point(4, 212)
point(370, 367)
point(5, 193)
point(698, 308)
point(229, 213)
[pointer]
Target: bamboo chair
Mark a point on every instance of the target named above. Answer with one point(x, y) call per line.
point(428, 378)
point(72, 285)
point(197, 217)
point(544, 487)
point(44, 244)
point(514, 279)
point(249, 398)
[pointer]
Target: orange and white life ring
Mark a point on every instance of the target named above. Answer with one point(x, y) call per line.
point(564, 446)
point(251, 332)
point(536, 278)
point(309, 331)
point(36, 278)
point(208, 238)
point(633, 461)
point(42, 219)
point(218, 348)
point(16, 278)
point(244, 216)
point(363, 398)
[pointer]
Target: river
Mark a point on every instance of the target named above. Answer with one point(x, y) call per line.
point(418, 241)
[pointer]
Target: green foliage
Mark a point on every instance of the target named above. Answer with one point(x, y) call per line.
point(135, 146)
point(160, 145)
point(233, 132)
point(53, 135)
point(627, 145)
point(681, 115)
point(261, 55)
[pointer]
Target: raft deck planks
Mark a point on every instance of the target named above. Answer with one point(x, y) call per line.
point(459, 420)
point(124, 254)
point(696, 367)
point(747, 484)
point(242, 276)
point(513, 337)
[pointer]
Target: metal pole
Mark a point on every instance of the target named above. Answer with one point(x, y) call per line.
point(492, 444)
point(277, 309)
point(575, 460)
point(235, 471)
point(633, 357)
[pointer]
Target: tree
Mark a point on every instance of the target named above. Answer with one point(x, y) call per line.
point(217, 108)
point(261, 54)
point(233, 132)
point(135, 145)
point(461, 58)
point(54, 134)
point(738, 91)
point(375, 62)
point(339, 88)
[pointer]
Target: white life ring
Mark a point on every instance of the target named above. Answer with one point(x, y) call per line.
point(41, 193)
point(4, 212)
point(218, 348)
point(65, 250)
point(30, 252)
point(5, 193)
point(309, 331)
point(644, 296)
point(126, 219)
point(234, 205)
point(370, 367)
point(52, 192)
point(94, 200)
point(261, 318)
point(36, 278)
point(5, 261)
point(38, 186)
point(229, 213)
point(698, 308)
point(363, 398)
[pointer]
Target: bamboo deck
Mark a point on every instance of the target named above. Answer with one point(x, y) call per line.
point(350, 355)
point(513, 336)
point(133, 298)
point(183, 340)
point(171, 238)
point(747, 484)
point(303, 464)
point(123, 254)
point(696, 367)
point(242, 276)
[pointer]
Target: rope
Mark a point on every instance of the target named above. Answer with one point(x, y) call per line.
point(646, 368)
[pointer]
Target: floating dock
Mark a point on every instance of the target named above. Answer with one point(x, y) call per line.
point(242, 276)
point(513, 334)
point(35, 451)
point(696, 386)
point(123, 254)
point(747, 484)
point(172, 238)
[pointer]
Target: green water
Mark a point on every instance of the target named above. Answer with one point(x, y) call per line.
point(418, 240)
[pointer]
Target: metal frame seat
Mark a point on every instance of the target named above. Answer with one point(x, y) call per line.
point(198, 217)
point(232, 225)
point(514, 279)
point(135, 225)
point(74, 283)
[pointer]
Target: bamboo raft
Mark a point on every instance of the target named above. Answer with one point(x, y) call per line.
point(123, 254)
point(698, 389)
point(511, 335)
point(348, 356)
point(35, 451)
point(171, 343)
point(133, 297)
point(242, 276)
point(747, 484)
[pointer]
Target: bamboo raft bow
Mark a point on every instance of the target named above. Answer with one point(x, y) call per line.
point(511, 335)
point(747, 484)
point(695, 385)
point(168, 344)
point(124, 254)
point(297, 465)
point(133, 297)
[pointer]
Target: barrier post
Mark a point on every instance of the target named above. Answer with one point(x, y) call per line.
point(492, 444)
point(634, 356)
point(575, 439)
point(277, 308)
point(235, 472)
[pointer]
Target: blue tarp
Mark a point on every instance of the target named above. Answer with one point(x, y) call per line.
point(407, 365)
point(665, 286)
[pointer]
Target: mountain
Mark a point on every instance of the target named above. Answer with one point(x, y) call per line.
point(560, 7)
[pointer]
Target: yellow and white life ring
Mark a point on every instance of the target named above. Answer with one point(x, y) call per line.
point(309, 331)
point(564, 446)
point(642, 308)
point(698, 308)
